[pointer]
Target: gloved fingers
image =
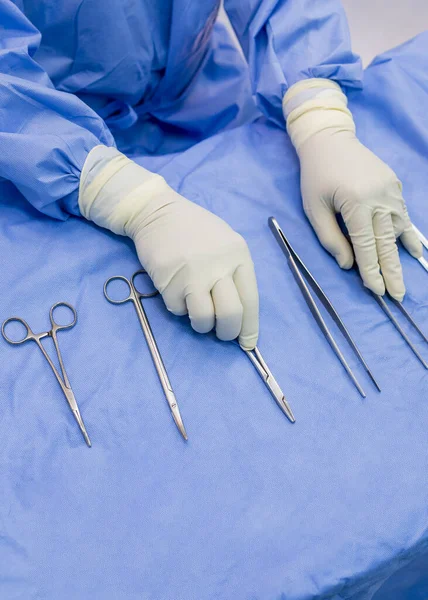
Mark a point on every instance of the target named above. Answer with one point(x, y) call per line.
point(360, 226)
point(174, 302)
point(246, 284)
point(325, 224)
point(201, 311)
point(228, 309)
point(388, 257)
point(409, 238)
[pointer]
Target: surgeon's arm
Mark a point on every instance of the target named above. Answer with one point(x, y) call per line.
point(300, 59)
point(45, 135)
point(61, 157)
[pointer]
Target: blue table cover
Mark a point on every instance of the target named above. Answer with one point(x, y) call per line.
point(252, 507)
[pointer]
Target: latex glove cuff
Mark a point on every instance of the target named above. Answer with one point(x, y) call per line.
point(314, 105)
point(115, 192)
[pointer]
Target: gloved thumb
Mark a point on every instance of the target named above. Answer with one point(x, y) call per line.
point(325, 224)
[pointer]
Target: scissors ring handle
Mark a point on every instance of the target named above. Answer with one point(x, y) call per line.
point(58, 326)
point(28, 336)
point(145, 295)
point(118, 278)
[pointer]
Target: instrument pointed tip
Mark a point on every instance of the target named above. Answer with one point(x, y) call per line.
point(82, 427)
point(86, 436)
point(287, 410)
point(181, 428)
point(355, 382)
point(179, 422)
point(375, 383)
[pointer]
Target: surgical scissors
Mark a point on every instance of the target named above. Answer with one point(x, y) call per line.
point(298, 268)
point(270, 381)
point(30, 336)
point(136, 297)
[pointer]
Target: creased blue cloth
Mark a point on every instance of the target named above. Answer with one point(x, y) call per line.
point(252, 507)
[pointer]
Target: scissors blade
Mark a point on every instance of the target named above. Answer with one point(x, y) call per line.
point(277, 393)
point(170, 396)
point(270, 382)
point(76, 413)
point(159, 366)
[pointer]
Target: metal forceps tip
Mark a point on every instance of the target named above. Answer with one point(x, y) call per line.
point(384, 306)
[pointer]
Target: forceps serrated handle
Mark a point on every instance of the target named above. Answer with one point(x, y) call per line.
point(321, 295)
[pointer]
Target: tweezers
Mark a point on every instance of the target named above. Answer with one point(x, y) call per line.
point(387, 311)
point(380, 300)
point(422, 260)
point(270, 381)
point(298, 268)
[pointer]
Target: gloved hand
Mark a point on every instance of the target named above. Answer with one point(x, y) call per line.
point(196, 261)
point(340, 175)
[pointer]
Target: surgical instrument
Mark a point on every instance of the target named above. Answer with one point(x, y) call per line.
point(398, 327)
point(299, 270)
point(270, 381)
point(136, 297)
point(422, 260)
point(52, 333)
point(381, 301)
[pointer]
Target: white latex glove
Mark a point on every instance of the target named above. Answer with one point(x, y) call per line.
point(340, 175)
point(199, 264)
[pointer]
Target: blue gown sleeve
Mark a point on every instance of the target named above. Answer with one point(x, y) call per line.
point(285, 41)
point(45, 134)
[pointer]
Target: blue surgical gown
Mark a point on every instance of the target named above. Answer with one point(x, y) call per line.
point(151, 77)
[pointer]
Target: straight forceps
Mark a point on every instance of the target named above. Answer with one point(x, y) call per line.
point(398, 327)
point(136, 297)
point(52, 333)
point(380, 300)
point(270, 381)
point(299, 270)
